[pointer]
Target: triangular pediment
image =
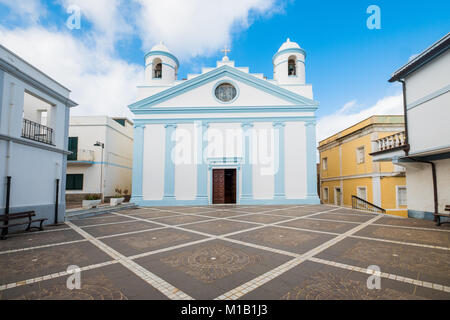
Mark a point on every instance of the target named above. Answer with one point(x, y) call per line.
point(198, 93)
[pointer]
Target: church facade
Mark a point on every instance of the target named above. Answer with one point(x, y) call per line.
point(225, 135)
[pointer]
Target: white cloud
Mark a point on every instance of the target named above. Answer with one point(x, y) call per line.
point(348, 106)
point(100, 83)
point(106, 17)
point(342, 119)
point(198, 27)
point(28, 11)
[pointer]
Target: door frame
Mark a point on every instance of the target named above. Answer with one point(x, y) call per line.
point(211, 182)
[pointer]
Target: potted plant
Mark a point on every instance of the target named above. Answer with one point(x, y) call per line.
point(118, 198)
point(91, 201)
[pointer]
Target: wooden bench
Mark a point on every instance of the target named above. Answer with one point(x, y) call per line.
point(19, 216)
point(439, 215)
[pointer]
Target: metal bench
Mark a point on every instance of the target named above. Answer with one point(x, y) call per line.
point(439, 215)
point(19, 216)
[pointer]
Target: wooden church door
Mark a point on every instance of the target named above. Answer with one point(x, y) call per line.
point(224, 186)
point(218, 186)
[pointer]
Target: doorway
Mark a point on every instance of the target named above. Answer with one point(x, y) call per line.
point(224, 186)
point(337, 196)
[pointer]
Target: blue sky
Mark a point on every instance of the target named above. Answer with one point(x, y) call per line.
point(347, 63)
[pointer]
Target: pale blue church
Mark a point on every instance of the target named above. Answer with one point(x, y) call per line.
point(225, 136)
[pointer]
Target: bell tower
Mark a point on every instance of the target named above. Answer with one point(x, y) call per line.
point(161, 66)
point(289, 64)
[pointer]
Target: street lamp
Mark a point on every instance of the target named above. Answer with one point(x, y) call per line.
point(101, 144)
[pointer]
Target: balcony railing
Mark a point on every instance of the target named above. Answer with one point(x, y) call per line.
point(37, 132)
point(81, 155)
point(393, 141)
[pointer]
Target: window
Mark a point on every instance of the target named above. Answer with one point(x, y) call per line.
point(325, 194)
point(325, 163)
point(157, 68)
point(73, 147)
point(361, 192)
point(401, 196)
point(360, 155)
point(74, 182)
point(43, 117)
point(292, 68)
point(225, 92)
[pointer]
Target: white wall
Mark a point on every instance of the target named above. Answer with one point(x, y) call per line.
point(295, 151)
point(224, 140)
point(153, 171)
point(419, 185)
point(262, 147)
point(428, 127)
point(185, 162)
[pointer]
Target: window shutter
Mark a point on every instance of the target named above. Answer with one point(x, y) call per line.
point(73, 147)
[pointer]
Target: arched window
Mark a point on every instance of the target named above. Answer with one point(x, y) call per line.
point(292, 67)
point(157, 68)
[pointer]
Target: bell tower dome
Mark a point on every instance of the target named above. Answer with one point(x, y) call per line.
point(161, 66)
point(289, 64)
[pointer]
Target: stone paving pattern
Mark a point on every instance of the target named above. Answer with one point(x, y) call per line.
point(292, 252)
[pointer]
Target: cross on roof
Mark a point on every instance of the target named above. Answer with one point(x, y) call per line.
point(225, 50)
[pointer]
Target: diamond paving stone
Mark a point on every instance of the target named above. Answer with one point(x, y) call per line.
point(40, 262)
point(112, 229)
point(342, 217)
point(296, 241)
point(150, 240)
point(211, 262)
point(327, 226)
point(430, 237)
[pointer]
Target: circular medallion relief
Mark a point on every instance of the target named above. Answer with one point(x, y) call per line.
point(225, 92)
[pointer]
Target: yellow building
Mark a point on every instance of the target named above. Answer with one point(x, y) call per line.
point(346, 167)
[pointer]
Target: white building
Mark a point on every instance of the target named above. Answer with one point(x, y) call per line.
point(225, 135)
point(34, 123)
point(424, 149)
point(101, 159)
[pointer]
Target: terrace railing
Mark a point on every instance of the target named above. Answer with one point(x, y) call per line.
point(37, 132)
point(395, 140)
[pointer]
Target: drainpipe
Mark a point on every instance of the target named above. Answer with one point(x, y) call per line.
point(405, 112)
point(435, 190)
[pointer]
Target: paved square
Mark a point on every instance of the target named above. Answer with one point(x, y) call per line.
point(230, 252)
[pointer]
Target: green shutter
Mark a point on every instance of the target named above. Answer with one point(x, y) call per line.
point(73, 147)
point(74, 182)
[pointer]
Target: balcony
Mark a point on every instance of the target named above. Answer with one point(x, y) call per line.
point(396, 140)
point(37, 132)
point(389, 147)
point(81, 157)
